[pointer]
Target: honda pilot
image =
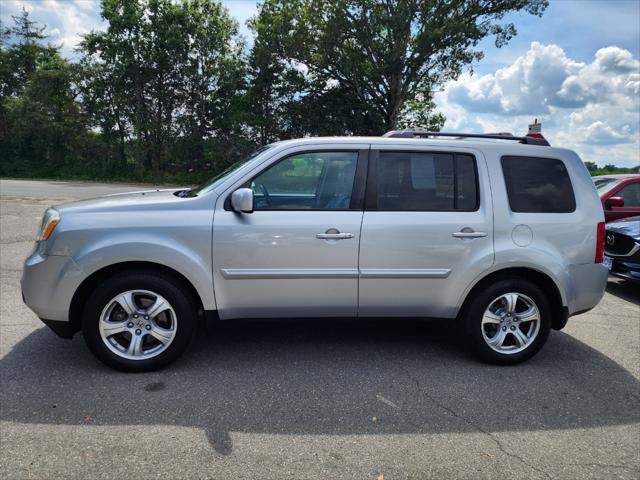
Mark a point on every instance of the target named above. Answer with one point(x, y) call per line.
point(502, 235)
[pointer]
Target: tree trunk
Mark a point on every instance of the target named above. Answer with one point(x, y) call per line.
point(394, 107)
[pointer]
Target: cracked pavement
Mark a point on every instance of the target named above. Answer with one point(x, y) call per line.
point(306, 400)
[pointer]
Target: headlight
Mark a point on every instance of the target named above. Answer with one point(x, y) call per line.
point(49, 221)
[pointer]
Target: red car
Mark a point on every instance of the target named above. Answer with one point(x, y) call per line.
point(620, 195)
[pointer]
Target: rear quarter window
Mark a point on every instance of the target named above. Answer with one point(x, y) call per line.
point(538, 185)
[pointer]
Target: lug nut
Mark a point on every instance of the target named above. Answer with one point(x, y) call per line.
point(135, 315)
point(148, 327)
point(513, 327)
point(504, 329)
point(130, 325)
point(146, 317)
point(138, 331)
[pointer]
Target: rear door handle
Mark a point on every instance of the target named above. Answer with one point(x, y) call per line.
point(469, 234)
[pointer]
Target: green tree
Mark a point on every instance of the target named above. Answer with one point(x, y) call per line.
point(41, 128)
point(31, 52)
point(170, 72)
point(107, 109)
point(284, 101)
point(213, 78)
point(386, 52)
point(271, 93)
point(419, 110)
point(591, 166)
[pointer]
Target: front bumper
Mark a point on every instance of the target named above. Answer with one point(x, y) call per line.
point(62, 329)
point(48, 285)
point(627, 270)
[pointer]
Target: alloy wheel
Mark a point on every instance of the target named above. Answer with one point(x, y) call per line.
point(510, 323)
point(138, 324)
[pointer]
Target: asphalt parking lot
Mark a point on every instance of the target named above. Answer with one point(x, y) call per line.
point(309, 400)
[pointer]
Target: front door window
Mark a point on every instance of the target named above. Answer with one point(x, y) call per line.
point(307, 181)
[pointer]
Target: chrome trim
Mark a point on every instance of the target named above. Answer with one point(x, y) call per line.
point(405, 272)
point(279, 273)
point(469, 234)
point(334, 236)
point(631, 252)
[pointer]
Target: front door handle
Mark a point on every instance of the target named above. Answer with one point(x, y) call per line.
point(334, 234)
point(469, 233)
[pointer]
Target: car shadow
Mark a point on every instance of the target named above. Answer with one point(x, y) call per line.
point(624, 289)
point(329, 377)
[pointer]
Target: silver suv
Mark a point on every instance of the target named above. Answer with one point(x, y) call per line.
point(503, 234)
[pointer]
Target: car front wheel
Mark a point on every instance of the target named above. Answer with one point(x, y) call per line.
point(138, 321)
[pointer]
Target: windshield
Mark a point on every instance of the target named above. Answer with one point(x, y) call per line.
point(222, 176)
point(603, 185)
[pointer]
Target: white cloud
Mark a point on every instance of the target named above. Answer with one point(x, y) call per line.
point(66, 20)
point(593, 108)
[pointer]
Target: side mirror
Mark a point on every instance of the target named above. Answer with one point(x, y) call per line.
point(242, 200)
point(614, 202)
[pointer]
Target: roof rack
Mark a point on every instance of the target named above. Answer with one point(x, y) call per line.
point(419, 133)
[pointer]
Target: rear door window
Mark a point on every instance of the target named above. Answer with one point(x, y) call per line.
point(538, 185)
point(423, 181)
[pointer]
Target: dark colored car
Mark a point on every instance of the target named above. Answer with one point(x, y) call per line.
point(620, 195)
point(622, 247)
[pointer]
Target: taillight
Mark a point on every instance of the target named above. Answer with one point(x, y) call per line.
point(600, 243)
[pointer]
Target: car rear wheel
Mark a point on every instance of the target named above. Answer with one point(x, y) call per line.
point(138, 321)
point(508, 322)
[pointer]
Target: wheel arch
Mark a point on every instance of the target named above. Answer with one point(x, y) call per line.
point(540, 279)
point(83, 291)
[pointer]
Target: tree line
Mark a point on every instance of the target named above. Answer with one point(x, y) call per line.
point(171, 90)
point(609, 169)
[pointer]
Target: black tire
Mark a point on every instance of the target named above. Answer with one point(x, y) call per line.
point(174, 292)
point(483, 298)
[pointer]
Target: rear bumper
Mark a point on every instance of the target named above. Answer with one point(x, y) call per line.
point(588, 284)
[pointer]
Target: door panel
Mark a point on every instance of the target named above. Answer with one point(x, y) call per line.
point(270, 264)
point(418, 263)
point(296, 255)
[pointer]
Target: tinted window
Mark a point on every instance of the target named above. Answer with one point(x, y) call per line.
point(605, 184)
point(466, 183)
point(425, 182)
point(320, 181)
point(631, 195)
point(538, 185)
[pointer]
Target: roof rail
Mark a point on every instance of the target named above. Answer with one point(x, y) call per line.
point(419, 133)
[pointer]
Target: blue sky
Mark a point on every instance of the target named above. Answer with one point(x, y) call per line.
point(576, 69)
point(580, 27)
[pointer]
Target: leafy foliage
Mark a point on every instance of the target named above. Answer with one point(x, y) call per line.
point(40, 120)
point(170, 91)
point(609, 169)
point(384, 53)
